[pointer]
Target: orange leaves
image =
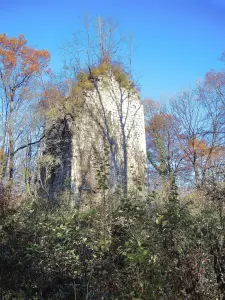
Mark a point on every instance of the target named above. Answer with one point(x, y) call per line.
point(157, 121)
point(18, 59)
point(151, 105)
point(9, 49)
point(12, 43)
point(159, 124)
point(33, 60)
point(51, 97)
point(160, 121)
point(218, 153)
point(32, 56)
point(198, 146)
point(201, 149)
point(8, 58)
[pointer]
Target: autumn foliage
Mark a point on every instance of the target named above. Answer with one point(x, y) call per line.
point(17, 57)
point(167, 242)
point(19, 66)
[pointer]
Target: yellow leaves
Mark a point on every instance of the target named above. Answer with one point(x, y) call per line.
point(121, 76)
point(3, 156)
point(71, 106)
point(52, 114)
point(3, 159)
point(86, 85)
point(77, 90)
point(95, 72)
point(83, 83)
point(82, 76)
point(159, 219)
point(102, 69)
point(81, 86)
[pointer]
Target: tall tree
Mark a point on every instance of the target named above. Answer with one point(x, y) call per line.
point(200, 115)
point(211, 94)
point(163, 151)
point(20, 66)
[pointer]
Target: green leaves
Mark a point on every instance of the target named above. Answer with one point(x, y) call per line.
point(159, 219)
point(131, 251)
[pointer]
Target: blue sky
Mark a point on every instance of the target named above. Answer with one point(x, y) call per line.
point(176, 41)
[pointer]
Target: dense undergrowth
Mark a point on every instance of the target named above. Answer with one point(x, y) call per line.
point(165, 246)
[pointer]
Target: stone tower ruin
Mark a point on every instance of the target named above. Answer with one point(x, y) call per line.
point(98, 142)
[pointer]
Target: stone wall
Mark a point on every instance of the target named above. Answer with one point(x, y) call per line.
point(58, 146)
point(84, 145)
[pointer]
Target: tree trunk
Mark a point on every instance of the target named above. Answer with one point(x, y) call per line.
point(11, 144)
point(124, 173)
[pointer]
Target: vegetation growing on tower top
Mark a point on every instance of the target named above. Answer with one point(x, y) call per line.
point(86, 78)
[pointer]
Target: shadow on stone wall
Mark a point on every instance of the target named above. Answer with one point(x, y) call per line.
point(58, 144)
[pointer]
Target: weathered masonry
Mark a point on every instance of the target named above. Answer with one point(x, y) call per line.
point(99, 143)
